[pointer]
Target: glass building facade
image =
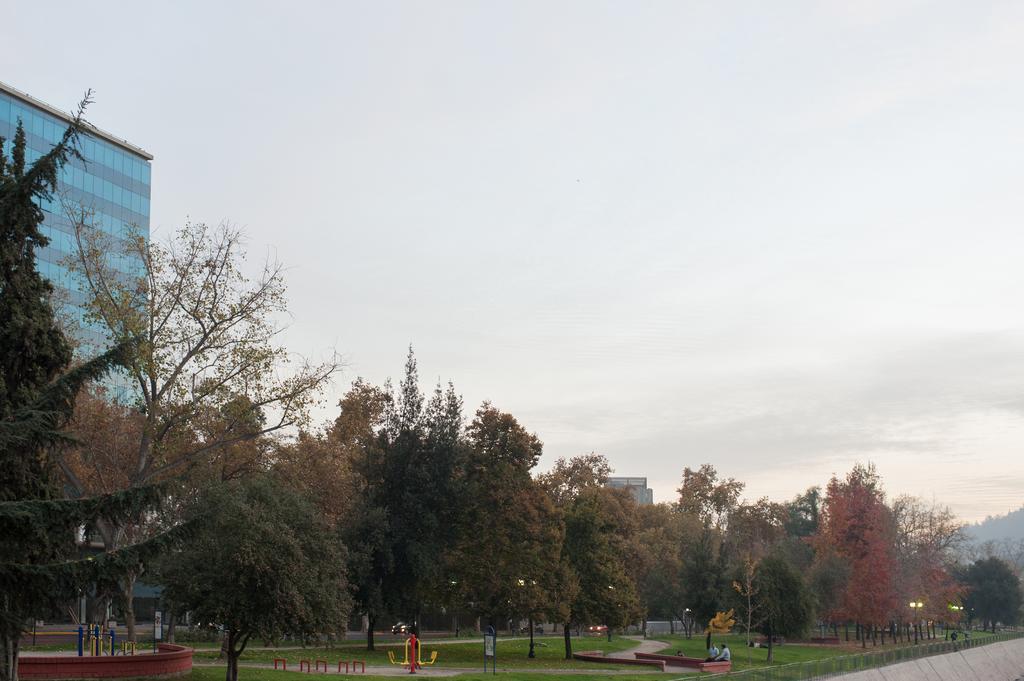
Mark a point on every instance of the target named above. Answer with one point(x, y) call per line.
point(112, 183)
point(642, 494)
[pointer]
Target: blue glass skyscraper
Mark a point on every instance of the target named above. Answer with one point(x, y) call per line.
point(113, 183)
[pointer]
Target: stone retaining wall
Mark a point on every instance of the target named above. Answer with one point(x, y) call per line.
point(1003, 661)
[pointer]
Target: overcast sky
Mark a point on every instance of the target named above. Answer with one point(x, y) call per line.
point(778, 237)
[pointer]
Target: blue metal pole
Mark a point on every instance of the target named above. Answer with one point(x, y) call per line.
point(112, 637)
point(96, 638)
point(81, 636)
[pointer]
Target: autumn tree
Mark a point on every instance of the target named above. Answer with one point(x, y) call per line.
point(568, 477)
point(209, 372)
point(754, 528)
point(703, 495)
point(508, 556)
point(357, 436)
point(857, 528)
point(709, 501)
point(658, 566)
point(594, 553)
point(927, 538)
point(746, 592)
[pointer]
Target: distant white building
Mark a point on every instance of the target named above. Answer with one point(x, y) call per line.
point(643, 494)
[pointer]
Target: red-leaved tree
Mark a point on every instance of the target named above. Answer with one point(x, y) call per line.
point(857, 526)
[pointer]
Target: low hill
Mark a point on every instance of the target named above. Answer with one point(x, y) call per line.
point(996, 528)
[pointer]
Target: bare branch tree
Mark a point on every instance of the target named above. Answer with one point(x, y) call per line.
point(210, 373)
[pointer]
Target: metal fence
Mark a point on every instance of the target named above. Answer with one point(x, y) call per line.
point(834, 666)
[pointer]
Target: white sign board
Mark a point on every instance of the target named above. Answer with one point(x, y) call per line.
point(158, 625)
point(489, 646)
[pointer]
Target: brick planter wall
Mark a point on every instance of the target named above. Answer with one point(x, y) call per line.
point(171, 660)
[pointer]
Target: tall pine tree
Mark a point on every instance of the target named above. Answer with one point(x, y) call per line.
point(37, 395)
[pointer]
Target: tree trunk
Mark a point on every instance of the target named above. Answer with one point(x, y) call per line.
point(227, 649)
point(112, 536)
point(370, 622)
point(863, 636)
point(128, 603)
point(9, 663)
point(771, 643)
point(232, 639)
point(846, 629)
point(568, 641)
point(172, 621)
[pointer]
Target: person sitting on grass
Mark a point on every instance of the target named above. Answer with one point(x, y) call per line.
point(725, 655)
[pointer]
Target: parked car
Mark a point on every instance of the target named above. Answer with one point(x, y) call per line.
point(597, 629)
point(402, 628)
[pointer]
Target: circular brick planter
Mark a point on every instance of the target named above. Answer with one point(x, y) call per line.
point(171, 660)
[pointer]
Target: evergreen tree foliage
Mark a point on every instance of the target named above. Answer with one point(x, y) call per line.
point(261, 563)
point(37, 530)
point(33, 350)
point(703, 577)
point(607, 593)
point(994, 593)
point(417, 484)
point(783, 604)
point(37, 395)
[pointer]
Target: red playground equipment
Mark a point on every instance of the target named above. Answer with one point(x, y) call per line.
point(413, 655)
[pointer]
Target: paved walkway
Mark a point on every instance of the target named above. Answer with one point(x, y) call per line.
point(647, 646)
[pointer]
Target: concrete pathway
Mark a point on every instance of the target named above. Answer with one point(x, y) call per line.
point(646, 646)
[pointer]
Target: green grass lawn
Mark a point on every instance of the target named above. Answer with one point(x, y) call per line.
point(744, 657)
point(549, 650)
point(253, 674)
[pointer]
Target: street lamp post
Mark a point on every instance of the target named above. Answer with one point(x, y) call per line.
point(522, 583)
point(607, 626)
point(957, 611)
point(915, 607)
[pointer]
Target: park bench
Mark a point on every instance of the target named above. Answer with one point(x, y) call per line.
point(689, 662)
point(599, 656)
